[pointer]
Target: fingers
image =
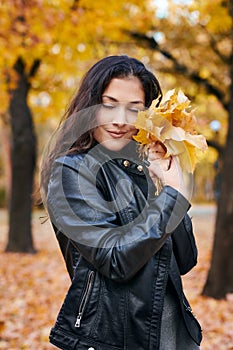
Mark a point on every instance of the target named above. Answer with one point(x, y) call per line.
point(156, 151)
point(159, 167)
point(161, 148)
point(157, 146)
point(169, 171)
point(169, 163)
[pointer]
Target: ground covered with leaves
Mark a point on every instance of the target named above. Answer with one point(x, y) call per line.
point(32, 288)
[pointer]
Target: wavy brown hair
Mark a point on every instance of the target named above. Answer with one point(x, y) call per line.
point(89, 94)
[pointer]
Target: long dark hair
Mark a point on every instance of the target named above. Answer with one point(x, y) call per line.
point(95, 82)
point(89, 94)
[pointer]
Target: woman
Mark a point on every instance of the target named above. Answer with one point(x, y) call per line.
point(119, 239)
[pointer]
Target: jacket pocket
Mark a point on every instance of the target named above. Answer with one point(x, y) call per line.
point(110, 323)
point(84, 299)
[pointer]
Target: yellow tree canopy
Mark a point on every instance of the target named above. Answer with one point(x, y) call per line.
point(65, 35)
point(62, 35)
point(190, 47)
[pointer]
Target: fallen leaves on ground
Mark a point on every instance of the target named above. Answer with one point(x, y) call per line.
point(33, 286)
point(215, 316)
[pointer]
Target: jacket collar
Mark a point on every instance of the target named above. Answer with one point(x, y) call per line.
point(128, 158)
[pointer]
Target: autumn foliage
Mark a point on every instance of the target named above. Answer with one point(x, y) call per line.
point(174, 124)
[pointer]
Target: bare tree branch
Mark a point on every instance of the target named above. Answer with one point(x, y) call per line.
point(181, 68)
point(214, 45)
point(34, 68)
point(216, 145)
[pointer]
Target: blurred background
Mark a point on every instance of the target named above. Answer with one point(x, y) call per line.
point(46, 47)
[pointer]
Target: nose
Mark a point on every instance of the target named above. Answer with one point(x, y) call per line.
point(120, 119)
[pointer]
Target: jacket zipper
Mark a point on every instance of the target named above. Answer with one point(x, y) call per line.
point(84, 299)
point(188, 308)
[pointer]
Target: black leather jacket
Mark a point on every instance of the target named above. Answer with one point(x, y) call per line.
point(117, 235)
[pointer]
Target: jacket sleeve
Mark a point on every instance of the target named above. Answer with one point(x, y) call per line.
point(184, 246)
point(116, 250)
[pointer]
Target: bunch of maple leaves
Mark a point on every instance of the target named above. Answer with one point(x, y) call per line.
point(173, 123)
point(32, 288)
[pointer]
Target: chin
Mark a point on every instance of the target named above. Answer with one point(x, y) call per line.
point(115, 145)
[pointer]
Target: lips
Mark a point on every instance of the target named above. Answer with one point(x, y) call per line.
point(116, 134)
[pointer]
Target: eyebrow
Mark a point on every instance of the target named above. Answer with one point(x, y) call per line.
point(115, 100)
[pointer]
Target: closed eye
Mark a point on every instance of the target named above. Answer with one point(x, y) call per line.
point(134, 109)
point(137, 109)
point(108, 105)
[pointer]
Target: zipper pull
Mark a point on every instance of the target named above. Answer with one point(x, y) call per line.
point(78, 320)
point(188, 308)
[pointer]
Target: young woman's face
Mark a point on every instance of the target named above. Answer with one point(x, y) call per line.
point(121, 101)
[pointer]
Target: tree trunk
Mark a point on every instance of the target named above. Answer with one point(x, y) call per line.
point(220, 277)
point(23, 158)
point(6, 144)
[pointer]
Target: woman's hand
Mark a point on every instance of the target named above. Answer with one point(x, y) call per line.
point(168, 169)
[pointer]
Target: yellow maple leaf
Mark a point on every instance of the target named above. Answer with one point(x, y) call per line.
point(173, 123)
point(142, 137)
